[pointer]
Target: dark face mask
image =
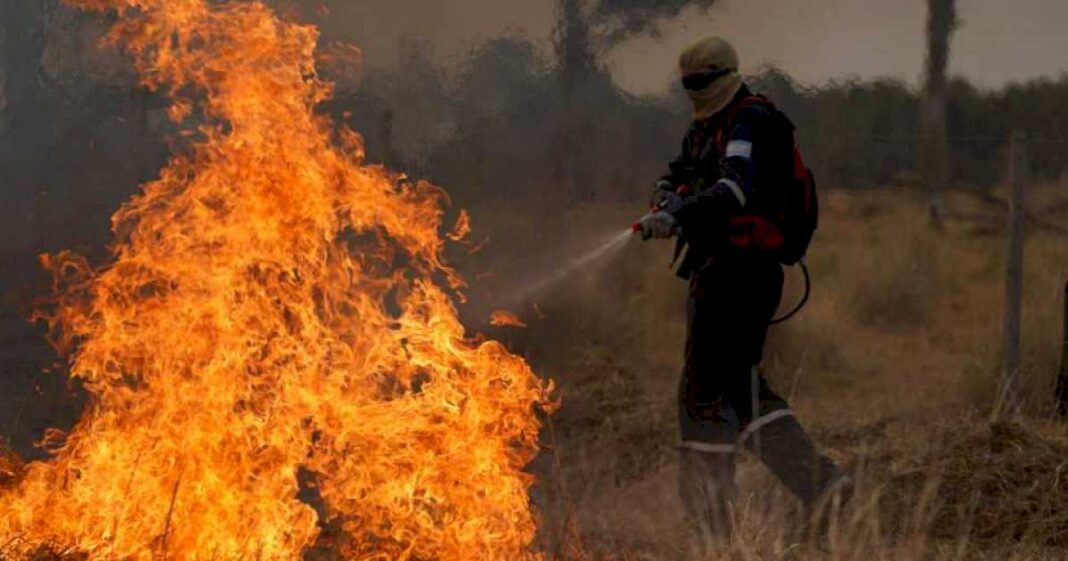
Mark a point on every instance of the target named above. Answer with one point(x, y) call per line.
point(701, 80)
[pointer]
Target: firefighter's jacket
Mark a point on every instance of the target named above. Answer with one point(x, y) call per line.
point(733, 163)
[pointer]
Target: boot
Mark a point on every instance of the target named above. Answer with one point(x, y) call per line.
point(707, 490)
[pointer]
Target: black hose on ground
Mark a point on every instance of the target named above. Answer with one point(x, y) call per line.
point(804, 299)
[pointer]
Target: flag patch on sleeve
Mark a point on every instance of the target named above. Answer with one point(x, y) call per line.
point(740, 149)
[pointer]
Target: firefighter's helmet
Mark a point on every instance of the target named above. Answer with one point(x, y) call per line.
point(709, 69)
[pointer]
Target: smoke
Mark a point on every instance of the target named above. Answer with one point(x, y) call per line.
point(77, 137)
point(519, 295)
point(497, 127)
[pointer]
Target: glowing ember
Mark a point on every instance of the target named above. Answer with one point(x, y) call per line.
point(272, 304)
point(502, 318)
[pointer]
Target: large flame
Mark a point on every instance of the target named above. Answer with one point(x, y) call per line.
point(273, 305)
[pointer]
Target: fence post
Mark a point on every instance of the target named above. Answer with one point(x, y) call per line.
point(1010, 369)
point(1062, 378)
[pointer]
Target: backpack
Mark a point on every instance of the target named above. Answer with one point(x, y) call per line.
point(787, 228)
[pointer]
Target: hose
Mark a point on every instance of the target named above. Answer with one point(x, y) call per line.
point(804, 299)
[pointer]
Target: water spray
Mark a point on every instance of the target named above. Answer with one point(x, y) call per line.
point(609, 247)
point(615, 243)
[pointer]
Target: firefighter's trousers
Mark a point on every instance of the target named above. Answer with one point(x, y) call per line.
point(725, 403)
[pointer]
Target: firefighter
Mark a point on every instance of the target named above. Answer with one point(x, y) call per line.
point(720, 197)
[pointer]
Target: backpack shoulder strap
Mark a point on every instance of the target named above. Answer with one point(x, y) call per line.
point(782, 122)
point(755, 100)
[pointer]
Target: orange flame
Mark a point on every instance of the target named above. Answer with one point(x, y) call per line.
point(273, 305)
point(504, 318)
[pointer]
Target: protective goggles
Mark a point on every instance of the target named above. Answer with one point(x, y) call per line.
point(701, 80)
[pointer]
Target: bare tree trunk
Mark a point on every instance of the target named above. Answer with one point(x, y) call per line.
point(934, 147)
point(576, 59)
point(573, 45)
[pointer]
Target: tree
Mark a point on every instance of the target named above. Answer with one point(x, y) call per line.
point(934, 148)
point(622, 18)
point(584, 28)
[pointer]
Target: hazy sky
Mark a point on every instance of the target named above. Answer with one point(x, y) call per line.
point(814, 40)
point(1001, 40)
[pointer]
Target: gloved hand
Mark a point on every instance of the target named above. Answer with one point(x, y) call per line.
point(660, 225)
point(664, 200)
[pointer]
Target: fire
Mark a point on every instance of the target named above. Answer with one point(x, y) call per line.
point(504, 318)
point(273, 304)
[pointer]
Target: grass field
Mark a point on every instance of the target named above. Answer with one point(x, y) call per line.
point(893, 366)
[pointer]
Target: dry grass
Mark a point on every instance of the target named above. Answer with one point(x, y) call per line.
point(893, 367)
point(1004, 481)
